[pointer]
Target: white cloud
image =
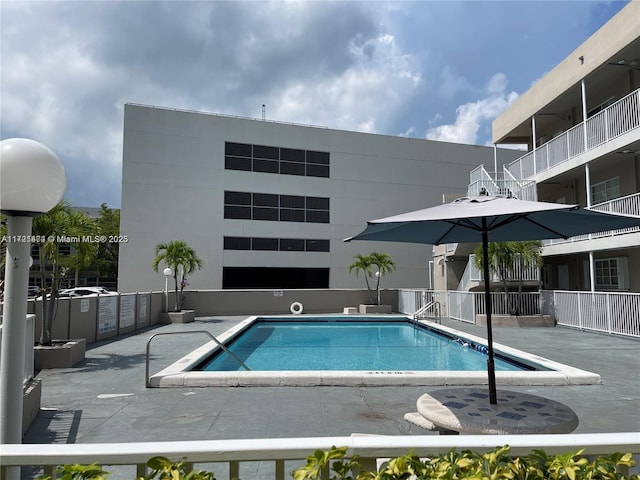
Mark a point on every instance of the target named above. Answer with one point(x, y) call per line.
point(471, 116)
point(380, 81)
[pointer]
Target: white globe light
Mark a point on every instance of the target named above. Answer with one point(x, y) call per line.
point(32, 178)
point(167, 272)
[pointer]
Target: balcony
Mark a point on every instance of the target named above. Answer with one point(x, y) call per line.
point(629, 205)
point(610, 123)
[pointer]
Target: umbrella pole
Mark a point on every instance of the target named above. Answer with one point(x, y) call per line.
point(491, 368)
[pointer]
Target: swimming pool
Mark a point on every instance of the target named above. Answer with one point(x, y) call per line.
point(274, 345)
point(531, 369)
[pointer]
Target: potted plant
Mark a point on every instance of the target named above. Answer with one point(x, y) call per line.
point(182, 260)
point(50, 228)
point(373, 265)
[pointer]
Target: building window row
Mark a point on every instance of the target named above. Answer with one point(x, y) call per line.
point(284, 161)
point(276, 244)
point(276, 208)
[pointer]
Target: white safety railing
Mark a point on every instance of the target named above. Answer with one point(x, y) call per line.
point(615, 120)
point(628, 205)
point(609, 312)
point(524, 303)
point(482, 182)
point(29, 341)
point(517, 272)
point(228, 457)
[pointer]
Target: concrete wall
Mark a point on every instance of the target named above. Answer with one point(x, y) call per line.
point(98, 318)
point(269, 302)
point(174, 180)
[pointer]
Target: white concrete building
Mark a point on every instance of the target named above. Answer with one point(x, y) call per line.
point(267, 204)
point(581, 122)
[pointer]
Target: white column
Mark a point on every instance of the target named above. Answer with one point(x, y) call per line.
point(533, 128)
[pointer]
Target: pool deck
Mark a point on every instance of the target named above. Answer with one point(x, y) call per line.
point(104, 398)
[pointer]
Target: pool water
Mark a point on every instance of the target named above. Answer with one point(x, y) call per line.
point(349, 345)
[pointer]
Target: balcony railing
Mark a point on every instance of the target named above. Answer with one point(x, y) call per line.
point(615, 120)
point(629, 205)
point(505, 185)
point(517, 272)
point(230, 456)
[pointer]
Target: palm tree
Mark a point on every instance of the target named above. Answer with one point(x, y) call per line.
point(384, 263)
point(83, 255)
point(503, 257)
point(363, 264)
point(49, 226)
point(182, 259)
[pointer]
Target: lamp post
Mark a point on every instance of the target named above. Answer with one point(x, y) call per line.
point(32, 181)
point(167, 273)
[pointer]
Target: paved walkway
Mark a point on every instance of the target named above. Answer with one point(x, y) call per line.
point(104, 398)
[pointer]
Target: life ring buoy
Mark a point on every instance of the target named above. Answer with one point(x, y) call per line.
point(296, 308)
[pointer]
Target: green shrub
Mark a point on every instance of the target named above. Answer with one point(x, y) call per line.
point(453, 465)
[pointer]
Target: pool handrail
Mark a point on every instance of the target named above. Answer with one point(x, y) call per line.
point(147, 384)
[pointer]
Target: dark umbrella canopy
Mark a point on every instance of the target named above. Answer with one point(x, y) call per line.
point(492, 219)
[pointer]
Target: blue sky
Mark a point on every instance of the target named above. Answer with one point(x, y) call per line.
point(432, 69)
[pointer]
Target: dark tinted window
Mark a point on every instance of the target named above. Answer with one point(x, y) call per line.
point(265, 166)
point(292, 245)
point(265, 200)
point(318, 171)
point(317, 203)
point(288, 168)
point(264, 213)
point(237, 149)
point(317, 216)
point(242, 213)
point(291, 201)
point(264, 244)
point(318, 157)
point(317, 245)
point(237, 243)
point(236, 163)
point(292, 155)
point(261, 151)
point(288, 215)
point(237, 198)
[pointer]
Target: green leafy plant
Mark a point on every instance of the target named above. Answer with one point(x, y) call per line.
point(78, 472)
point(182, 259)
point(383, 264)
point(334, 464)
point(164, 469)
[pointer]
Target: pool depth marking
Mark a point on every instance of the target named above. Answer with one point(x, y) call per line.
point(179, 374)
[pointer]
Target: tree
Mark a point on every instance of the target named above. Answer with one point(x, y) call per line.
point(108, 224)
point(58, 223)
point(182, 259)
point(365, 263)
point(83, 254)
point(503, 257)
point(385, 265)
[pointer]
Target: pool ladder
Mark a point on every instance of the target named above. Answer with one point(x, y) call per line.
point(209, 334)
point(432, 306)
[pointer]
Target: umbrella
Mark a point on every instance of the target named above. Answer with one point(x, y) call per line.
point(492, 219)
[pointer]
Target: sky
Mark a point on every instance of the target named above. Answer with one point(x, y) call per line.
point(440, 70)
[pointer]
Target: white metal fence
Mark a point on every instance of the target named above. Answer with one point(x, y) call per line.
point(227, 458)
point(615, 120)
point(609, 312)
point(614, 313)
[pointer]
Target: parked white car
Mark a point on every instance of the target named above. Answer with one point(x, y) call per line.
point(83, 291)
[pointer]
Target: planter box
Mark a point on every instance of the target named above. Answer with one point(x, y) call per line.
point(367, 309)
point(31, 402)
point(517, 320)
point(184, 316)
point(62, 354)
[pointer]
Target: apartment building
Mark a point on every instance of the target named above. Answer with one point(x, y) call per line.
point(581, 123)
point(267, 204)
